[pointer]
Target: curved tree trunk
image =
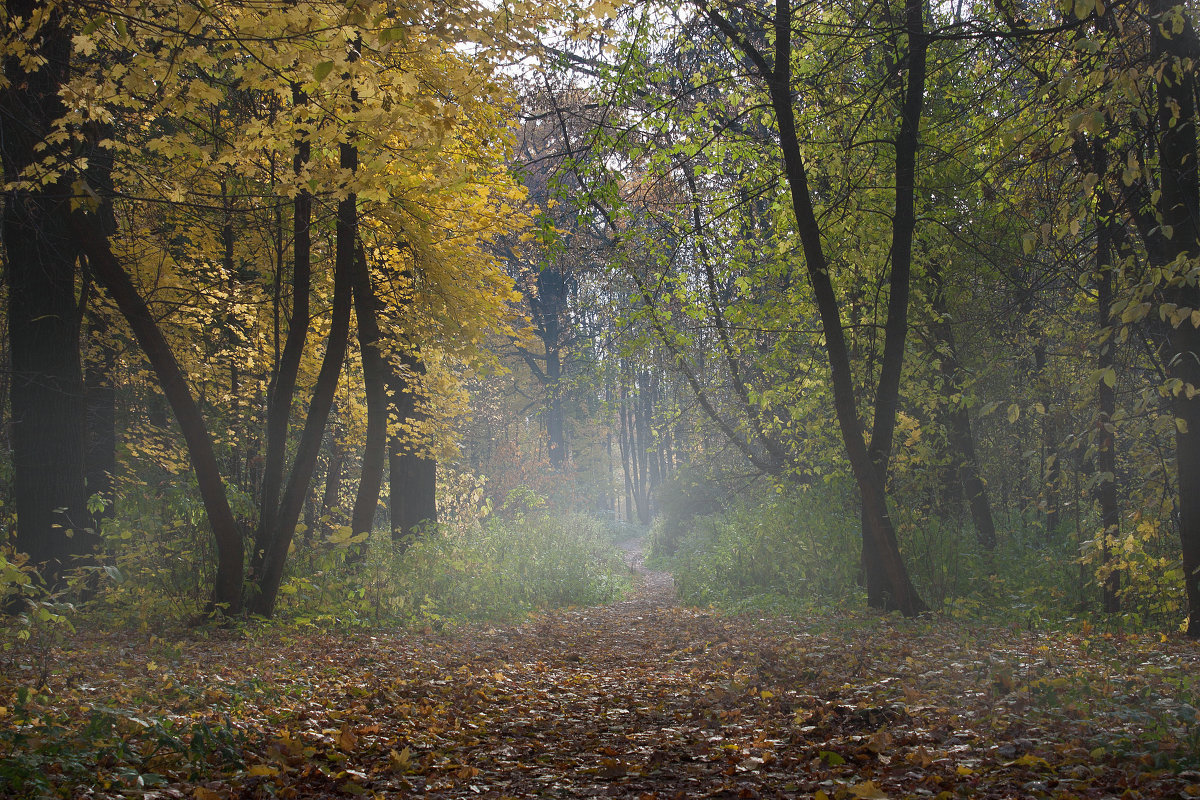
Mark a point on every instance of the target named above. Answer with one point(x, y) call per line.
point(309, 448)
point(283, 381)
point(895, 587)
point(227, 587)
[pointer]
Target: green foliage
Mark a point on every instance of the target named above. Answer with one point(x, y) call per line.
point(34, 620)
point(686, 496)
point(161, 563)
point(495, 570)
point(46, 753)
point(792, 549)
point(801, 549)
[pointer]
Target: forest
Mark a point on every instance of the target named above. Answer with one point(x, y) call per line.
point(635, 398)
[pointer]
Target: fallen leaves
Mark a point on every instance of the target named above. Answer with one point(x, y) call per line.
point(637, 699)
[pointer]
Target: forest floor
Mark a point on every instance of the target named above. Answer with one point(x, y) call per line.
point(642, 698)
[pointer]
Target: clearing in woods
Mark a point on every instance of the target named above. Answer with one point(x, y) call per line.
point(642, 698)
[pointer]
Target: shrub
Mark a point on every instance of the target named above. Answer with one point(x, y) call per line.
point(494, 570)
point(791, 549)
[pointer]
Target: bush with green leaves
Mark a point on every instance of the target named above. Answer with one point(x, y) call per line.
point(689, 494)
point(790, 548)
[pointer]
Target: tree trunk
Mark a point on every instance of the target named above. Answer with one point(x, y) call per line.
point(46, 393)
point(887, 394)
point(959, 436)
point(1051, 469)
point(366, 501)
point(1179, 211)
point(626, 461)
point(1106, 454)
point(555, 429)
point(413, 477)
point(100, 395)
point(549, 306)
point(227, 588)
point(308, 449)
point(331, 497)
point(282, 387)
point(880, 536)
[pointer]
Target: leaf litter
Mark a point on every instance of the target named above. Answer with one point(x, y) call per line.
point(641, 698)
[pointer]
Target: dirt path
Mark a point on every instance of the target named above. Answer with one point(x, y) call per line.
point(648, 699)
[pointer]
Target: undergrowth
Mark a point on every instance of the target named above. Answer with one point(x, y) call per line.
point(497, 569)
point(785, 551)
point(798, 552)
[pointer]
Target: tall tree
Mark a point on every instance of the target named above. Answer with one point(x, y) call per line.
point(1174, 248)
point(889, 584)
point(374, 369)
point(47, 391)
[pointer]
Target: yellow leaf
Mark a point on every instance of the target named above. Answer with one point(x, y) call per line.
point(262, 771)
point(868, 791)
point(963, 771)
point(400, 760)
point(200, 793)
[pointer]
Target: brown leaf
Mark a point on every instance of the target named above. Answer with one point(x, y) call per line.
point(346, 740)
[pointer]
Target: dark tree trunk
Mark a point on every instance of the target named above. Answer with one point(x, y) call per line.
point(46, 393)
point(887, 394)
point(331, 497)
point(627, 465)
point(101, 398)
point(227, 588)
point(880, 535)
point(1106, 455)
point(1051, 469)
point(309, 447)
point(1179, 211)
point(366, 501)
point(549, 307)
point(282, 387)
point(555, 429)
point(959, 436)
point(413, 475)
